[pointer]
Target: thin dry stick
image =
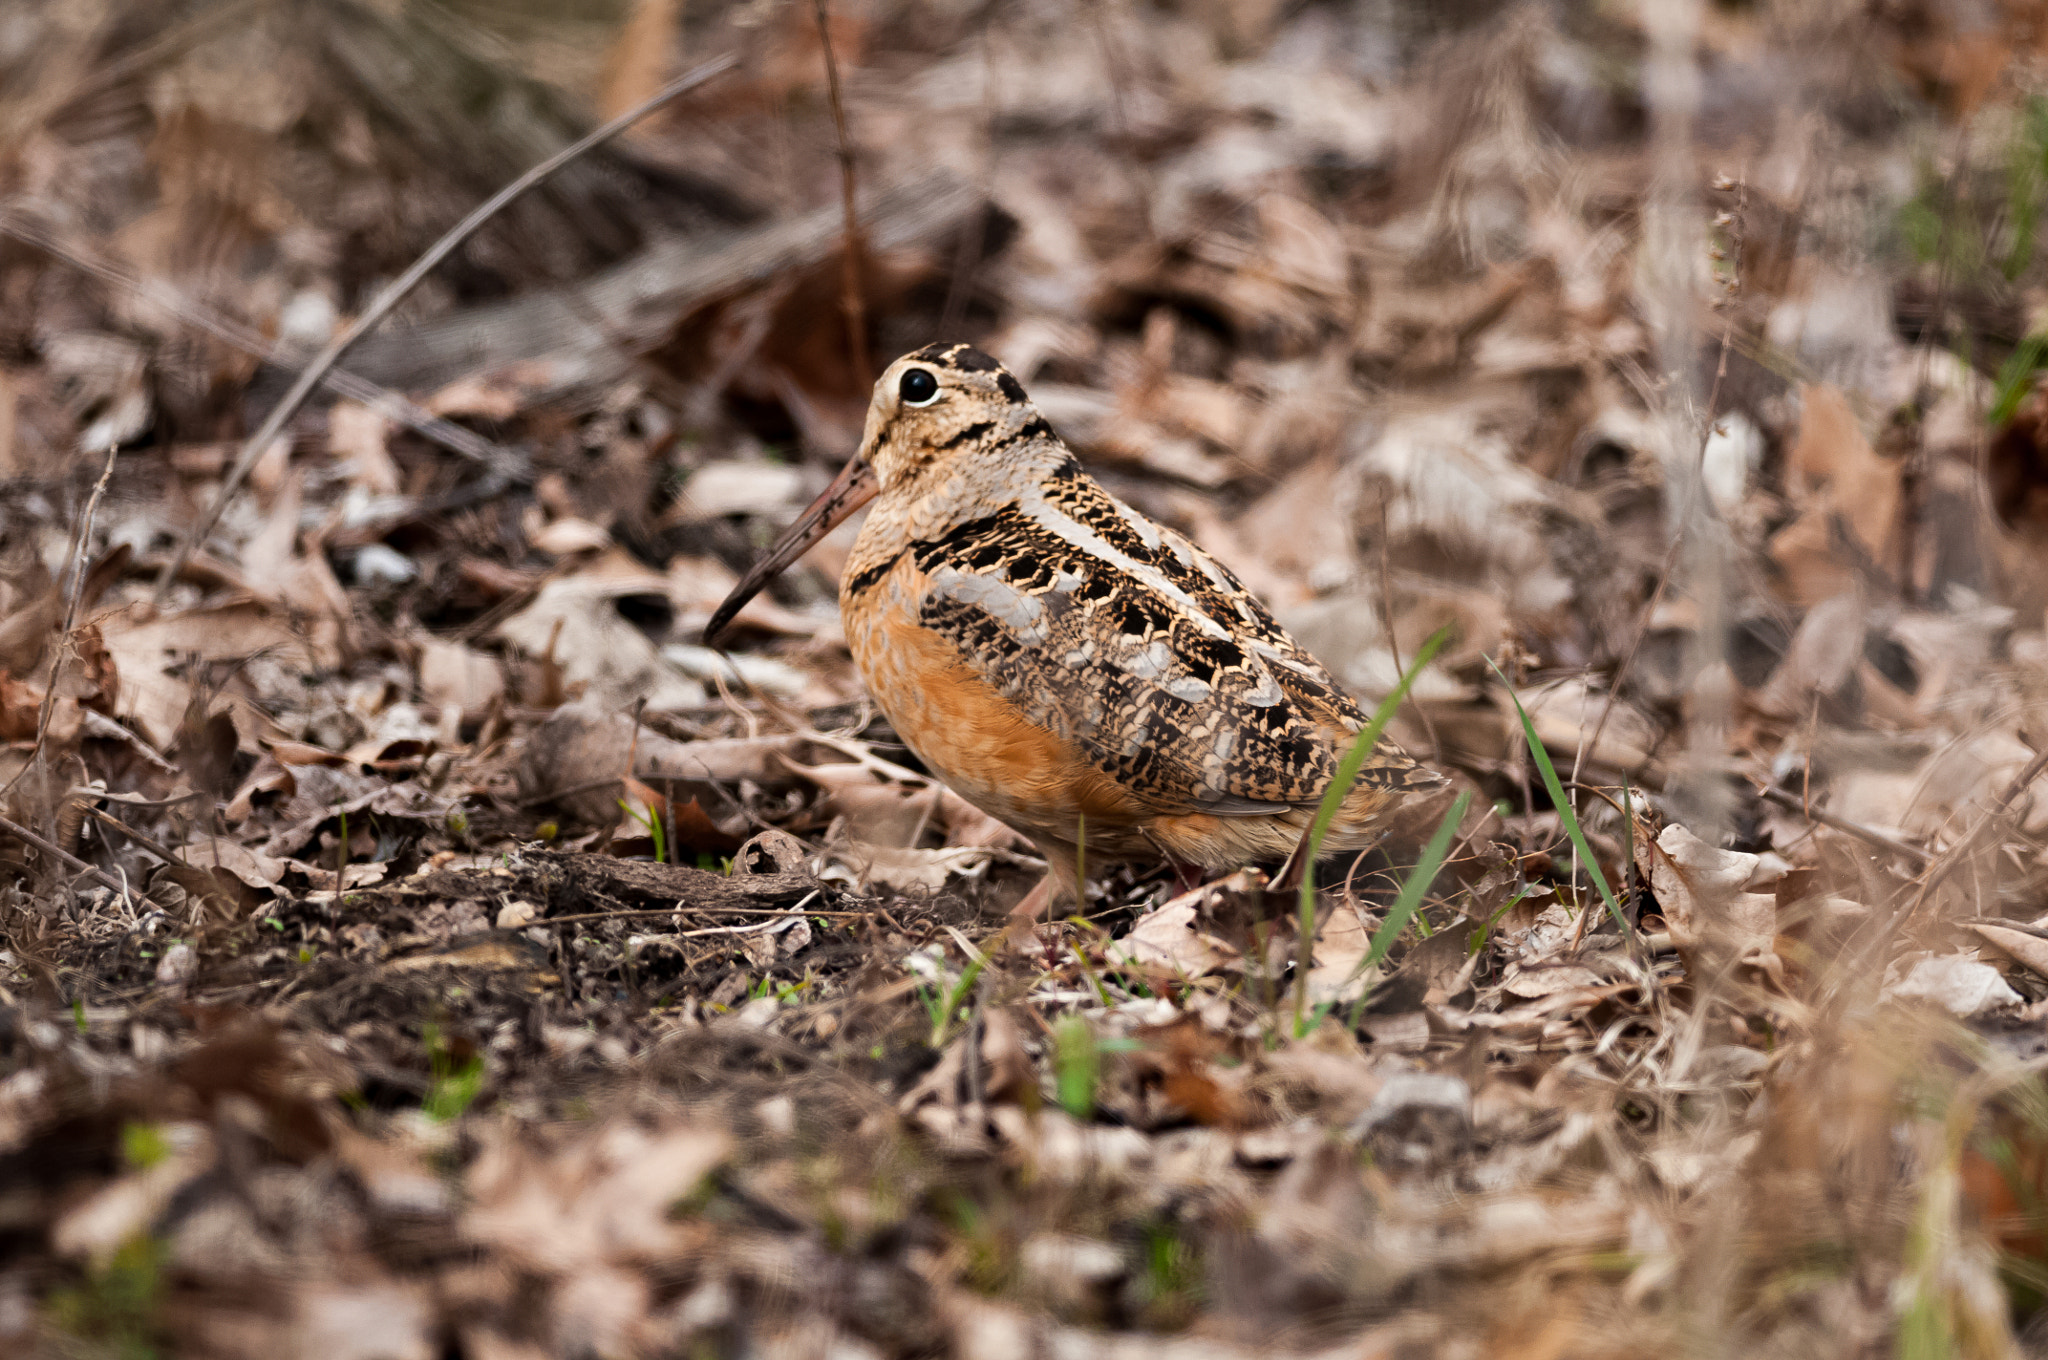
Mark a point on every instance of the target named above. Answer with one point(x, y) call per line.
point(1868, 835)
point(153, 846)
point(77, 865)
point(851, 299)
point(80, 545)
point(777, 913)
point(310, 377)
point(1952, 858)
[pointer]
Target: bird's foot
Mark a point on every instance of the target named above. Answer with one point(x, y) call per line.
point(1030, 935)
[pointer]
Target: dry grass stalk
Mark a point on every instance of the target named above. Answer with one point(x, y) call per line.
point(852, 297)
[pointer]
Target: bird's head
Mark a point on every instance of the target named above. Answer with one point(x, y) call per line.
point(939, 404)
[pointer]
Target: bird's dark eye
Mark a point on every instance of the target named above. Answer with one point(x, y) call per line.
point(919, 387)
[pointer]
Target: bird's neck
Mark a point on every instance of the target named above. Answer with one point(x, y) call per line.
point(937, 498)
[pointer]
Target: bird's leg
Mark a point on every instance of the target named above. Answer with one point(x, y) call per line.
point(1024, 931)
point(1033, 904)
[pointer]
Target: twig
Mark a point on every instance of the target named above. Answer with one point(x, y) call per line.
point(395, 292)
point(778, 912)
point(780, 921)
point(852, 301)
point(153, 846)
point(80, 546)
point(1868, 835)
point(1733, 290)
point(1730, 291)
point(74, 863)
point(199, 316)
point(1939, 869)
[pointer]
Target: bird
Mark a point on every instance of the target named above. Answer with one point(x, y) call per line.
point(1065, 663)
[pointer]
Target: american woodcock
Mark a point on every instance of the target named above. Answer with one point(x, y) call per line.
point(1060, 660)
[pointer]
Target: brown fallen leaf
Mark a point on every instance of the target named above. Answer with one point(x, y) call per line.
point(1166, 937)
point(153, 652)
point(1848, 497)
point(359, 437)
point(685, 826)
point(1004, 1073)
point(905, 867)
point(452, 675)
point(574, 622)
point(31, 608)
point(252, 867)
point(578, 754)
point(491, 953)
point(1823, 655)
point(1341, 946)
point(2025, 947)
point(605, 1197)
point(1964, 986)
point(1712, 920)
point(568, 536)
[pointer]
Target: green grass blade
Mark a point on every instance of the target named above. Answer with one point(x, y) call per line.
point(1555, 786)
point(1333, 798)
point(1077, 1064)
point(2016, 379)
point(1412, 892)
point(1480, 936)
point(1368, 737)
point(956, 995)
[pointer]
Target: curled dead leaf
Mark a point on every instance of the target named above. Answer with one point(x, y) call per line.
point(1167, 937)
point(1712, 920)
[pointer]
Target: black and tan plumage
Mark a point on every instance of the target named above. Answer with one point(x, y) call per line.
point(1056, 657)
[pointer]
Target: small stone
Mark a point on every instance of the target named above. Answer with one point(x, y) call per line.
point(515, 915)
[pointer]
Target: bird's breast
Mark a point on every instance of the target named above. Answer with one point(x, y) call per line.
point(980, 743)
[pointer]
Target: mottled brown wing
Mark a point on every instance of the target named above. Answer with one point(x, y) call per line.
point(1112, 631)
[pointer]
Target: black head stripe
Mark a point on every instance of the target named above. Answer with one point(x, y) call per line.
point(968, 359)
point(961, 358)
point(1012, 389)
point(967, 435)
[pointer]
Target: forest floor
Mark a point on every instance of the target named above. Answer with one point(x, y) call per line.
point(414, 943)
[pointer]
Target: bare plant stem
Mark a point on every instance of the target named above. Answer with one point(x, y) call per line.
point(1952, 858)
point(1678, 535)
point(395, 292)
point(852, 301)
point(81, 544)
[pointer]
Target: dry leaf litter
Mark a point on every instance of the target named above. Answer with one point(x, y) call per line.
point(416, 944)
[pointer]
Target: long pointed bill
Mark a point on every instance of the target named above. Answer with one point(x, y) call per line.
point(854, 487)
